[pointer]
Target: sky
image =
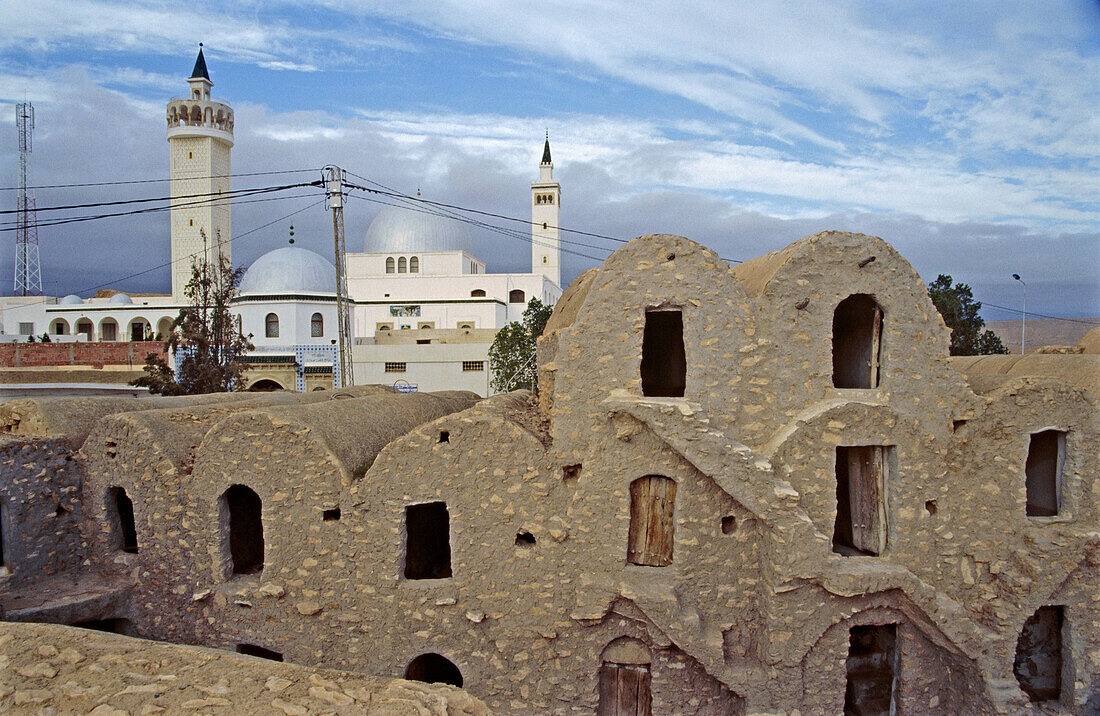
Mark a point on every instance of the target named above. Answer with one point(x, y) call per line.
point(965, 134)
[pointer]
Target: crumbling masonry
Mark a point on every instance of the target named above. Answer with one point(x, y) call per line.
point(755, 490)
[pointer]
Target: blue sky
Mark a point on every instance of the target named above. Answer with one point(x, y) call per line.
point(965, 134)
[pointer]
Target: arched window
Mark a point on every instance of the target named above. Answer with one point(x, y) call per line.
point(664, 362)
point(271, 326)
point(477, 293)
point(243, 530)
point(122, 509)
point(433, 669)
point(316, 326)
point(652, 529)
point(389, 264)
point(857, 342)
point(624, 679)
point(402, 265)
point(516, 296)
point(414, 265)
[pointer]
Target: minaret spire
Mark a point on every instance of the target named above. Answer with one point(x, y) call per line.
point(200, 68)
point(546, 150)
point(545, 235)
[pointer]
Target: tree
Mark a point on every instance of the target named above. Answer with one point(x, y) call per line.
point(956, 304)
point(205, 338)
point(512, 355)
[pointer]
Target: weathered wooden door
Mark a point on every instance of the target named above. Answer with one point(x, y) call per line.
point(876, 346)
point(652, 526)
point(624, 690)
point(866, 470)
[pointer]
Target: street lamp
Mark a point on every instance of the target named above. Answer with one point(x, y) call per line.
point(1023, 316)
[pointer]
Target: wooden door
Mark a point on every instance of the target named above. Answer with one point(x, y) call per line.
point(876, 346)
point(652, 529)
point(866, 470)
point(624, 690)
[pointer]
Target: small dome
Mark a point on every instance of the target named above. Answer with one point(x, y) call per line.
point(290, 270)
point(71, 300)
point(397, 229)
point(120, 299)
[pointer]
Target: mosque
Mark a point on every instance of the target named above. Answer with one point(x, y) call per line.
point(424, 309)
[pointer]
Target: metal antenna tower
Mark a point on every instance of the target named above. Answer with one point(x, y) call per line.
point(28, 271)
point(334, 181)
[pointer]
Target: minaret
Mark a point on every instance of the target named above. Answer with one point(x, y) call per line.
point(200, 135)
point(545, 235)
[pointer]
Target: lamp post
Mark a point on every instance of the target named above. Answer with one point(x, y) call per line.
point(1023, 316)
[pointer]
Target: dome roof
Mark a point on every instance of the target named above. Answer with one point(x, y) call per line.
point(396, 228)
point(290, 270)
point(120, 299)
point(71, 300)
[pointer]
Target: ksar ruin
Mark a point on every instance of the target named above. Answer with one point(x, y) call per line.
point(763, 489)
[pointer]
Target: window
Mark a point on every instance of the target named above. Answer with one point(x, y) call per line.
point(389, 264)
point(316, 326)
point(469, 366)
point(425, 324)
point(477, 293)
point(468, 325)
point(402, 265)
point(394, 367)
point(108, 330)
point(624, 679)
point(139, 330)
point(1038, 664)
point(433, 669)
point(414, 265)
point(652, 529)
point(122, 509)
point(383, 327)
point(871, 667)
point(271, 326)
point(85, 327)
point(516, 296)
point(26, 329)
point(242, 521)
point(861, 478)
point(427, 541)
point(1045, 456)
point(60, 327)
point(546, 259)
point(664, 363)
point(857, 342)
point(259, 651)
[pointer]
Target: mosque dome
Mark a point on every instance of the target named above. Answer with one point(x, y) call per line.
point(290, 270)
point(120, 299)
point(71, 300)
point(398, 229)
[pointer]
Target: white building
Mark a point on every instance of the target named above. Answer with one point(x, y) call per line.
point(425, 311)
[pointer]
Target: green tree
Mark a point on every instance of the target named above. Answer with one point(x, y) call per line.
point(512, 355)
point(956, 304)
point(205, 338)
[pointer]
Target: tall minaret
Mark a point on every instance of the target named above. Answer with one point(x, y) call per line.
point(545, 235)
point(200, 134)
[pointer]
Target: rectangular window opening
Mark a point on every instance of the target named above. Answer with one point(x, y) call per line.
point(259, 651)
point(394, 367)
point(1038, 665)
point(427, 541)
point(331, 515)
point(664, 362)
point(1045, 456)
point(469, 366)
point(861, 479)
point(871, 667)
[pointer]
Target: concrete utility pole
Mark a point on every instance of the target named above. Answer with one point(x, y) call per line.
point(28, 270)
point(334, 183)
point(1023, 316)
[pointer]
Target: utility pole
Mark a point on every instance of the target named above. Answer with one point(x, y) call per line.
point(334, 182)
point(28, 271)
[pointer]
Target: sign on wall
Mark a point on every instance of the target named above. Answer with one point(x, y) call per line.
point(409, 311)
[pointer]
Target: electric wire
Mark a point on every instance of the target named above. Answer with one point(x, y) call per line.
point(156, 181)
point(1085, 321)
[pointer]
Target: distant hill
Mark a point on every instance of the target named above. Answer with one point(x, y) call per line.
point(1042, 332)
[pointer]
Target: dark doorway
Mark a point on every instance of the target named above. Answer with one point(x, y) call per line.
point(1045, 455)
point(3, 523)
point(427, 541)
point(871, 666)
point(114, 626)
point(243, 510)
point(857, 342)
point(433, 669)
point(253, 650)
point(265, 386)
point(124, 509)
point(652, 524)
point(664, 363)
point(624, 690)
point(860, 527)
point(1038, 664)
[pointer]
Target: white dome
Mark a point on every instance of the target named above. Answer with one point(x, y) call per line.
point(397, 229)
point(120, 299)
point(71, 300)
point(290, 270)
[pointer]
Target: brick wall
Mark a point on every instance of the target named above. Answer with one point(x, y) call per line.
point(97, 355)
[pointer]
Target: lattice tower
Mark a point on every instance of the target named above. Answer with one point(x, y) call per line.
point(28, 269)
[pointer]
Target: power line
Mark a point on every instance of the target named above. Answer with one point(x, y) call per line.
point(1031, 314)
point(156, 181)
